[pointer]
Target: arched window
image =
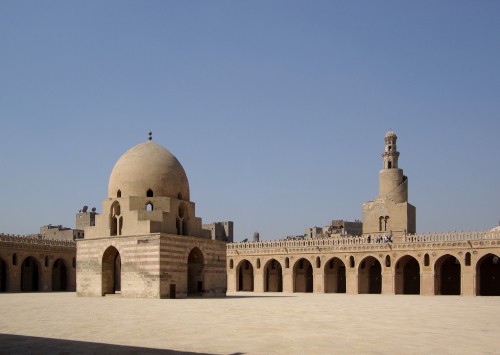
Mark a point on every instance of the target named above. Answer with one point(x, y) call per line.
point(380, 223)
point(149, 193)
point(14, 259)
point(149, 206)
point(179, 196)
point(387, 261)
point(258, 263)
point(46, 261)
point(467, 259)
point(231, 264)
point(426, 260)
point(74, 263)
point(287, 262)
point(386, 222)
point(118, 194)
point(318, 262)
point(351, 261)
point(115, 220)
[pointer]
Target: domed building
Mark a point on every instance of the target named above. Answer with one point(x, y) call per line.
point(148, 241)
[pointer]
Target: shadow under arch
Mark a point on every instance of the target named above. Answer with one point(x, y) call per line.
point(335, 276)
point(407, 276)
point(59, 275)
point(447, 275)
point(302, 276)
point(30, 275)
point(111, 271)
point(3, 275)
point(244, 276)
point(488, 275)
point(273, 276)
point(370, 276)
point(196, 272)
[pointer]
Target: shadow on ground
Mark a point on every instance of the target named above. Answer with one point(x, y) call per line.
point(19, 344)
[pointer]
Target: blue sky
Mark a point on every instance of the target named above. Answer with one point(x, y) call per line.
point(276, 109)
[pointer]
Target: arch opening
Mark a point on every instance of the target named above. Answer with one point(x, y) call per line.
point(335, 276)
point(370, 276)
point(59, 276)
point(196, 272)
point(407, 276)
point(447, 276)
point(488, 275)
point(303, 276)
point(3, 275)
point(30, 275)
point(244, 272)
point(111, 271)
point(273, 276)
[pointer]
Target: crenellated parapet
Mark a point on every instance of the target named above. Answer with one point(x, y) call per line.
point(366, 243)
point(36, 240)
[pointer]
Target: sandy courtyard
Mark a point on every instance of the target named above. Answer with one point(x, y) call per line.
point(246, 323)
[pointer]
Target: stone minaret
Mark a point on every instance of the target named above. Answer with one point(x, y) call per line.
point(392, 183)
point(390, 212)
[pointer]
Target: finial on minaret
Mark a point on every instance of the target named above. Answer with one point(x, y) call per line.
point(150, 136)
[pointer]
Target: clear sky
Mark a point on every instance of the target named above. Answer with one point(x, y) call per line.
point(276, 109)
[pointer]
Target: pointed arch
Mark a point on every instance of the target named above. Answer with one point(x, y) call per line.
point(335, 276)
point(111, 271)
point(196, 271)
point(370, 276)
point(302, 276)
point(244, 276)
point(407, 276)
point(30, 275)
point(273, 276)
point(488, 275)
point(59, 275)
point(447, 279)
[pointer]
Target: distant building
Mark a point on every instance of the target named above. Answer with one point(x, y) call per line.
point(220, 230)
point(60, 233)
point(336, 228)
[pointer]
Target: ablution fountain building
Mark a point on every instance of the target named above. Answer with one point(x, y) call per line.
point(148, 242)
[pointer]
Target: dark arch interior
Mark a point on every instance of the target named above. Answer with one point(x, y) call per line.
point(449, 276)
point(3, 275)
point(303, 276)
point(370, 276)
point(111, 271)
point(196, 272)
point(30, 275)
point(489, 276)
point(335, 276)
point(245, 276)
point(273, 277)
point(59, 276)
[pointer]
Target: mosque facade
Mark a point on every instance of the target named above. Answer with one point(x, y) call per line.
point(149, 243)
point(388, 257)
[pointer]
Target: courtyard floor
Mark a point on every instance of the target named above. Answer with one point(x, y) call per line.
point(247, 323)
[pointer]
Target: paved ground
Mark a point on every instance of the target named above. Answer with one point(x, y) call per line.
point(249, 324)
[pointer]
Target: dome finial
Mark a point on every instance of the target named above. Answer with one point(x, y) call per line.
point(150, 136)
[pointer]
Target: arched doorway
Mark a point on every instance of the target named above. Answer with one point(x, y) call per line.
point(59, 276)
point(488, 275)
point(407, 276)
point(370, 276)
point(335, 278)
point(3, 275)
point(196, 272)
point(273, 275)
point(111, 271)
point(447, 276)
point(245, 276)
point(30, 275)
point(302, 276)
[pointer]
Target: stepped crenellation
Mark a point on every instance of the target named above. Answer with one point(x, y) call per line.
point(30, 239)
